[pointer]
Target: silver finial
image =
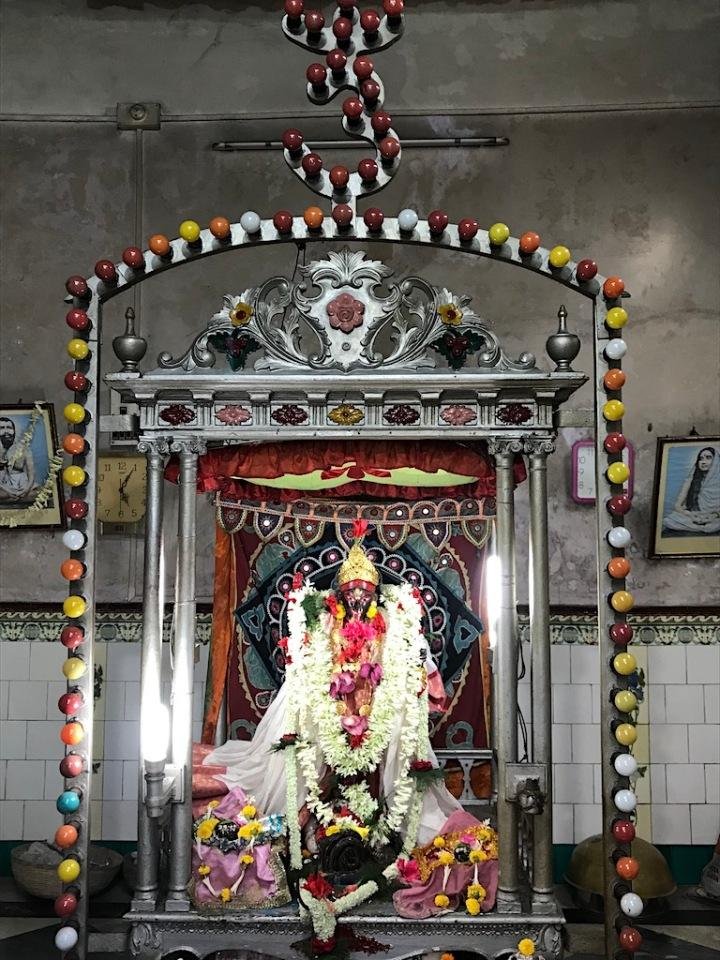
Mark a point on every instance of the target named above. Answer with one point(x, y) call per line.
point(562, 347)
point(128, 347)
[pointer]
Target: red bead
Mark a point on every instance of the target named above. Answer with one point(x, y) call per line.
point(363, 67)
point(336, 60)
point(586, 270)
point(468, 228)
point(76, 381)
point(343, 215)
point(370, 89)
point(437, 221)
point(283, 221)
point(339, 177)
point(529, 242)
point(630, 939)
point(66, 904)
point(374, 218)
point(314, 21)
point(614, 442)
point(294, 9)
point(621, 634)
point(619, 505)
point(368, 170)
point(347, 5)
point(292, 140)
point(312, 164)
point(342, 28)
point(316, 74)
point(353, 108)
point(77, 286)
point(72, 637)
point(133, 257)
point(393, 8)
point(76, 509)
point(381, 122)
point(623, 831)
point(70, 703)
point(77, 319)
point(71, 766)
point(105, 271)
point(370, 21)
point(613, 288)
point(389, 148)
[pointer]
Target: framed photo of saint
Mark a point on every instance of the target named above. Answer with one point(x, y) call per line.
point(686, 498)
point(30, 484)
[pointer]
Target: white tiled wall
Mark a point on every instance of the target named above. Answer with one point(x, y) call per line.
point(679, 739)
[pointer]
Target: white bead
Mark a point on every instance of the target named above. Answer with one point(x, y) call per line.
point(66, 938)
point(625, 800)
point(616, 349)
point(625, 765)
point(250, 221)
point(619, 537)
point(631, 905)
point(407, 220)
point(74, 539)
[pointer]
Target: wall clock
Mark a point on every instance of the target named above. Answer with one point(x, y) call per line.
point(583, 470)
point(121, 490)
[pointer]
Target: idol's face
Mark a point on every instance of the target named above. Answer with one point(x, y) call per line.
point(357, 599)
point(7, 432)
point(705, 459)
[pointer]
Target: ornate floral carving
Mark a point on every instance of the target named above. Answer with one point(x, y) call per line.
point(345, 313)
point(457, 415)
point(346, 415)
point(402, 415)
point(289, 414)
point(233, 414)
point(514, 414)
point(450, 314)
point(236, 345)
point(455, 347)
point(177, 414)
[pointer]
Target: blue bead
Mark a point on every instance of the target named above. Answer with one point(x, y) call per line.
point(68, 801)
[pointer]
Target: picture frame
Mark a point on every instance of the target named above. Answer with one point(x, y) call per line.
point(31, 493)
point(685, 519)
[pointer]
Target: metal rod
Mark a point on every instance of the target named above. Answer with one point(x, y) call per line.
point(182, 681)
point(542, 878)
point(234, 146)
point(148, 859)
point(506, 656)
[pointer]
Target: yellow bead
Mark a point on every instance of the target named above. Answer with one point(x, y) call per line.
point(625, 701)
point(498, 234)
point(74, 413)
point(73, 668)
point(74, 476)
point(77, 348)
point(559, 257)
point(189, 230)
point(626, 734)
point(614, 410)
point(618, 472)
point(74, 606)
point(616, 318)
point(622, 601)
point(624, 664)
point(68, 870)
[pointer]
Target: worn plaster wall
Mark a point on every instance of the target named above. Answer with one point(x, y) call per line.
point(614, 157)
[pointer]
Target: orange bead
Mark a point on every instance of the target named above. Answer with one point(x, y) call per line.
point(618, 568)
point(72, 733)
point(529, 242)
point(614, 380)
point(72, 569)
point(66, 836)
point(220, 227)
point(313, 218)
point(159, 244)
point(627, 867)
point(613, 288)
point(73, 443)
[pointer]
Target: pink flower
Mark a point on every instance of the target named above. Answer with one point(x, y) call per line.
point(354, 725)
point(372, 672)
point(358, 630)
point(409, 871)
point(342, 684)
point(345, 313)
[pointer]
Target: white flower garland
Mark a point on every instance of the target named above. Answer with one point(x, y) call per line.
point(292, 804)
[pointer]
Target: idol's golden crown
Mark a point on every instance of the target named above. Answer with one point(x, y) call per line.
point(358, 566)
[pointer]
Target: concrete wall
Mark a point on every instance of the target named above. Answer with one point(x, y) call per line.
point(616, 159)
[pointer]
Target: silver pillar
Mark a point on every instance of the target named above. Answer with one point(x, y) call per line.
point(148, 857)
point(542, 877)
point(506, 659)
point(182, 681)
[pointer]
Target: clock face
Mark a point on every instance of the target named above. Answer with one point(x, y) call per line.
point(583, 470)
point(121, 489)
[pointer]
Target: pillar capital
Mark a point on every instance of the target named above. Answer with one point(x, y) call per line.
point(505, 446)
point(154, 447)
point(188, 446)
point(538, 446)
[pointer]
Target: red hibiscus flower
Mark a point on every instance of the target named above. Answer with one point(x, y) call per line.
point(297, 580)
point(317, 886)
point(421, 765)
point(323, 946)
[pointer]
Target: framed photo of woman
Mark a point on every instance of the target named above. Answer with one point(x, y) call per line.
point(30, 459)
point(686, 498)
